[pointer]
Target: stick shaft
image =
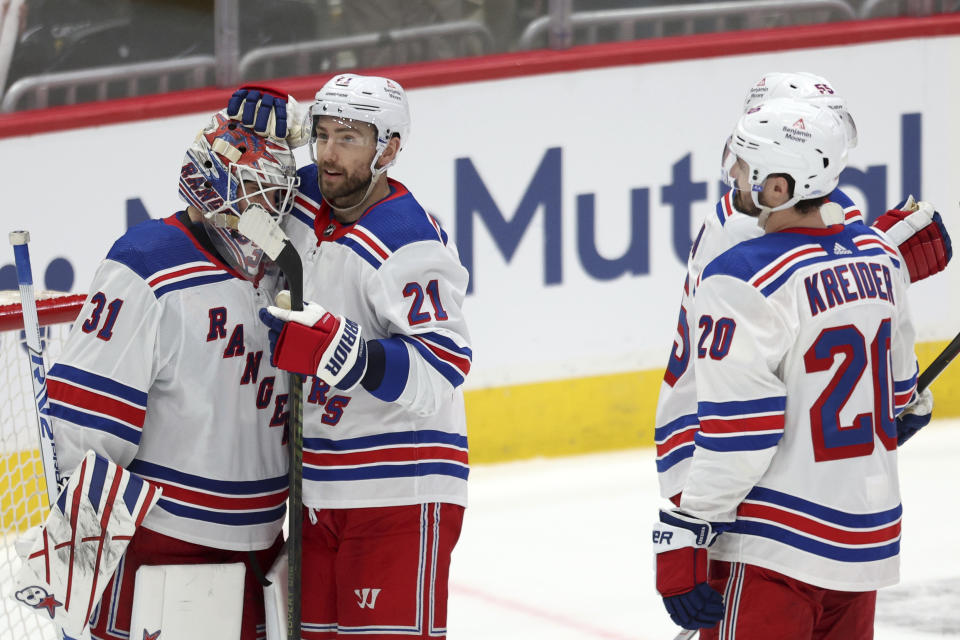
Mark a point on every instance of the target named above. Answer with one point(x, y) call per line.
point(292, 268)
point(38, 377)
point(939, 364)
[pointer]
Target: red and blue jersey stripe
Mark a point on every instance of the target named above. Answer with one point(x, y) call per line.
point(872, 244)
point(227, 502)
point(92, 401)
point(167, 257)
point(443, 354)
point(818, 529)
point(674, 441)
point(903, 392)
point(398, 454)
point(741, 425)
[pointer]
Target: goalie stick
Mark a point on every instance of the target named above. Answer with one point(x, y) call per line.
point(260, 227)
point(31, 327)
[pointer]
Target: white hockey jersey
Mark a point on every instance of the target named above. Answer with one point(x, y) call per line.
point(394, 273)
point(676, 417)
point(167, 373)
point(804, 356)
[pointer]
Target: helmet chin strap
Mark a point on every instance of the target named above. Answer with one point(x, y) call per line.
point(765, 211)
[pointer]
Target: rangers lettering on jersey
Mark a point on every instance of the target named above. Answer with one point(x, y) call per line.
point(184, 323)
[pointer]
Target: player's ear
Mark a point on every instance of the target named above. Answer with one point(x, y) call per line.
point(777, 190)
point(389, 153)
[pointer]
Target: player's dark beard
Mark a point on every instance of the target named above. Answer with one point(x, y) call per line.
point(349, 192)
point(743, 203)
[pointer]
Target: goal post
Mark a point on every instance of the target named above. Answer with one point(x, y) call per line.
point(23, 493)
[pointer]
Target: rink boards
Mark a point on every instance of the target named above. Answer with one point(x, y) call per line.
point(572, 186)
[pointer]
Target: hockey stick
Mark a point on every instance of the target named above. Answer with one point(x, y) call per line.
point(38, 376)
point(939, 363)
point(257, 225)
point(686, 634)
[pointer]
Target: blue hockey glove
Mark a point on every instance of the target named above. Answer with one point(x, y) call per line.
point(262, 108)
point(271, 113)
point(915, 416)
point(315, 342)
point(680, 543)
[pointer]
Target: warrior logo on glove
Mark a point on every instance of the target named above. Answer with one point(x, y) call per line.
point(315, 342)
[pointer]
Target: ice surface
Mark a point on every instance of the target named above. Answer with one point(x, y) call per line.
point(560, 549)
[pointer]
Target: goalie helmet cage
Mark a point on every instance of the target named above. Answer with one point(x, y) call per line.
point(23, 497)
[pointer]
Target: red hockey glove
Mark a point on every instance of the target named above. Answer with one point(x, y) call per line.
point(680, 543)
point(920, 236)
point(315, 342)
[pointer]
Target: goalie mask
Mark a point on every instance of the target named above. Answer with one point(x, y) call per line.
point(351, 98)
point(228, 168)
point(806, 87)
point(784, 136)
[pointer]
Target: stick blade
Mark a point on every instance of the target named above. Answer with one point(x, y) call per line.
point(260, 227)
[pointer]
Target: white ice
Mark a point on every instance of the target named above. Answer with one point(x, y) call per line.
point(560, 549)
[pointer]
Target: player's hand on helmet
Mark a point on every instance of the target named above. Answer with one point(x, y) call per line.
point(920, 236)
point(915, 416)
point(680, 543)
point(270, 113)
point(315, 342)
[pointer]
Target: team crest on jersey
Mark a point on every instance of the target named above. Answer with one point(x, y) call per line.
point(38, 598)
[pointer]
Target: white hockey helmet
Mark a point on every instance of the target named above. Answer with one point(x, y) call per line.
point(378, 101)
point(786, 136)
point(217, 168)
point(801, 85)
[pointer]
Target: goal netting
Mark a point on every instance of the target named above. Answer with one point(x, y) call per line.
point(23, 494)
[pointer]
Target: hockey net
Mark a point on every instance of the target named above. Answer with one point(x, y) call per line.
point(23, 494)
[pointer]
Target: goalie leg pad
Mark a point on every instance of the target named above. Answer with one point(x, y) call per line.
point(151, 548)
point(82, 541)
point(188, 601)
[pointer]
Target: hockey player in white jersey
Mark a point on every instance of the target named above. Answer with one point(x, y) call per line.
point(167, 373)
point(916, 231)
point(387, 349)
point(804, 359)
